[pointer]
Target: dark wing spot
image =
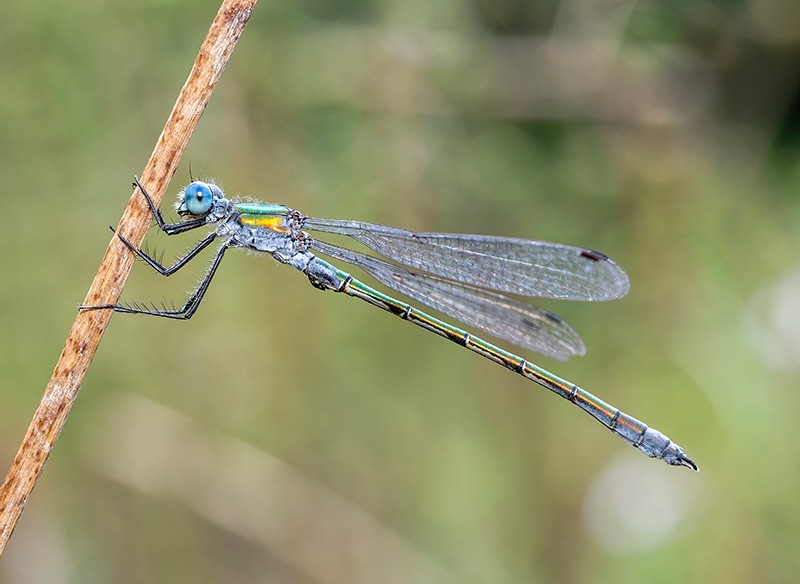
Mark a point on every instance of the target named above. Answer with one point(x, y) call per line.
point(530, 324)
point(552, 317)
point(595, 256)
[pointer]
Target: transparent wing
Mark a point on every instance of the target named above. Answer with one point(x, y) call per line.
point(505, 318)
point(518, 266)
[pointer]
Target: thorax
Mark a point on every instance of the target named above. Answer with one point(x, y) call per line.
point(265, 227)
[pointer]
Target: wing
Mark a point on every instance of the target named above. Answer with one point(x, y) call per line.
point(505, 318)
point(517, 266)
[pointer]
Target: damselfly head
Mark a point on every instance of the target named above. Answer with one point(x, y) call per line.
point(197, 198)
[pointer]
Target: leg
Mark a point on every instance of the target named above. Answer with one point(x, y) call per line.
point(168, 228)
point(186, 311)
point(179, 264)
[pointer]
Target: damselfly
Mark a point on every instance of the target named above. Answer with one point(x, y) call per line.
point(467, 277)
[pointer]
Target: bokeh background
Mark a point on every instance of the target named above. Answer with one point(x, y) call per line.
point(286, 435)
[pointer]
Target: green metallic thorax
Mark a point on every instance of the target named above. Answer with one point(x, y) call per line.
point(267, 215)
point(260, 209)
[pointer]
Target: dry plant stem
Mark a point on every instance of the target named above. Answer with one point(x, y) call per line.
point(84, 337)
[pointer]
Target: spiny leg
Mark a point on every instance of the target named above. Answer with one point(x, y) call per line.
point(168, 228)
point(178, 264)
point(186, 311)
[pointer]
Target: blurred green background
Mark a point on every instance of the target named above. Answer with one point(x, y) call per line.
point(285, 435)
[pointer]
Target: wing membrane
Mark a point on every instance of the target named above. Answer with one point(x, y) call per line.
point(517, 266)
point(505, 318)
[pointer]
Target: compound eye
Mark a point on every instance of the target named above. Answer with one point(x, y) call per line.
point(198, 198)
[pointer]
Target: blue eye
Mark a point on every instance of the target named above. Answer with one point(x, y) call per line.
point(197, 198)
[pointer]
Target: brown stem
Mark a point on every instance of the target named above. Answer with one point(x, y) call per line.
point(86, 332)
